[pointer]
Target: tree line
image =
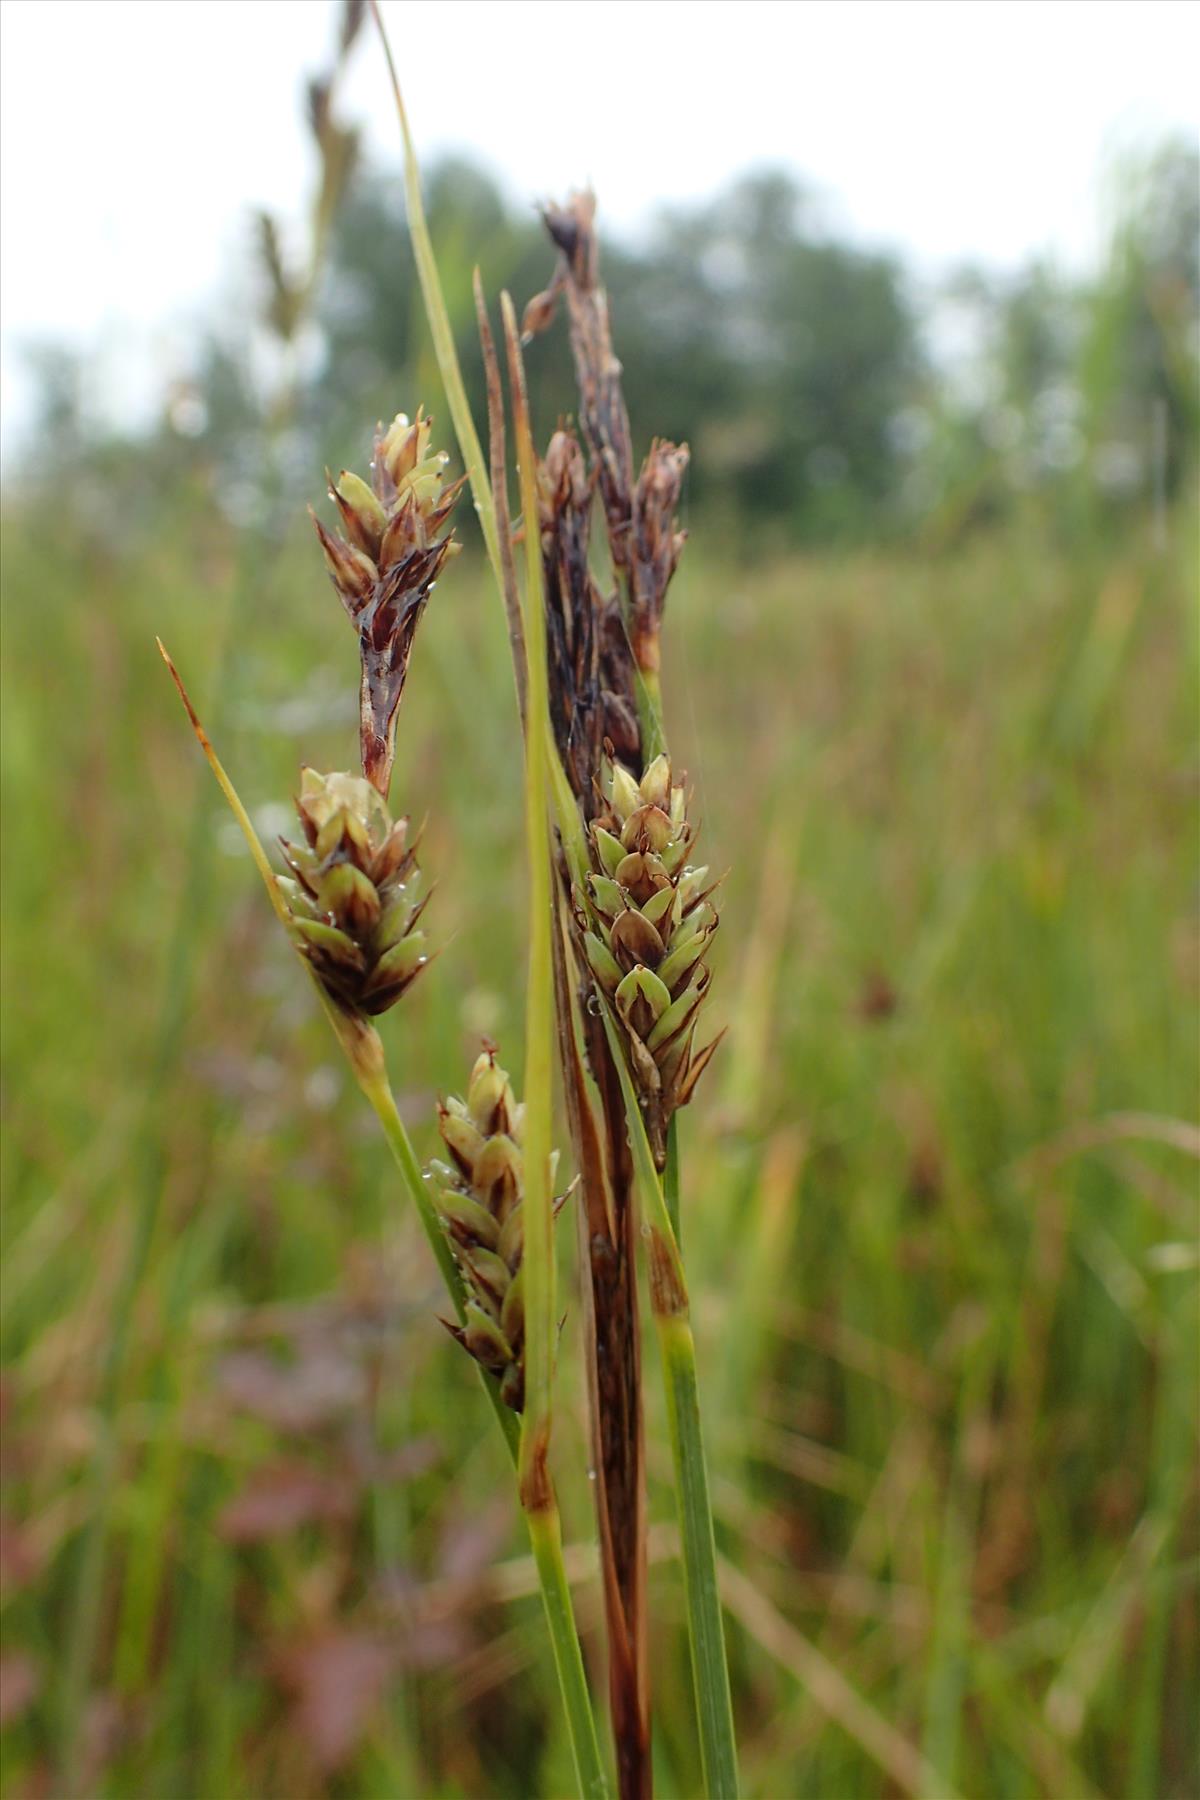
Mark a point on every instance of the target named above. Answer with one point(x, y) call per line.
point(825, 396)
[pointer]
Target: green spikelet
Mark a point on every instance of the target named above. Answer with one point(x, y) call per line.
point(356, 893)
point(646, 928)
point(479, 1195)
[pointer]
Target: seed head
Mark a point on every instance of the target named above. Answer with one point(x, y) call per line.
point(656, 543)
point(644, 535)
point(646, 925)
point(479, 1194)
point(356, 893)
point(590, 665)
point(384, 568)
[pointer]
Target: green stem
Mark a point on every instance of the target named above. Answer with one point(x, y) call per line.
point(537, 1262)
point(671, 1179)
point(706, 1631)
point(648, 690)
point(545, 1535)
point(669, 1303)
point(439, 324)
point(377, 1089)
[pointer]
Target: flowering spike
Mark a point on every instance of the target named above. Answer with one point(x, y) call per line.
point(645, 933)
point(353, 911)
point(480, 1201)
point(384, 570)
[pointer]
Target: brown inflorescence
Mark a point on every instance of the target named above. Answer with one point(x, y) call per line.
point(479, 1195)
point(644, 537)
point(656, 543)
point(384, 569)
point(589, 664)
point(355, 896)
point(647, 925)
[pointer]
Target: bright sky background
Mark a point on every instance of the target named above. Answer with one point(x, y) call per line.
point(137, 134)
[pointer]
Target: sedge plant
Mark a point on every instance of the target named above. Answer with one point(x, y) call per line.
point(643, 914)
point(620, 922)
point(633, 921)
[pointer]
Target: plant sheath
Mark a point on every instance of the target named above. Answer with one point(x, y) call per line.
point(669, 1304)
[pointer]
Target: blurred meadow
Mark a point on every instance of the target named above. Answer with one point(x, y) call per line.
point(931, 665)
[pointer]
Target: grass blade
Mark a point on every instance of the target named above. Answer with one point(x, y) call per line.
point(538, 1262)
point(439, 323)
point(537, 1492)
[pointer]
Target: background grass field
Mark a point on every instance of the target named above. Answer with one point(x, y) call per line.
point(940, 1198)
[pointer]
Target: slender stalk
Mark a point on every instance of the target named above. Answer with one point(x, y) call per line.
point(671, 1178)
point(545, 1536)
point(537, 1490)
point(648, 689)
point(377, 1090)
point(612, 1343)
point(669, 1305)
point(363, 1050)
point(538, 1258)
point(506, 574)
point(439, 322)
point(710, 1673)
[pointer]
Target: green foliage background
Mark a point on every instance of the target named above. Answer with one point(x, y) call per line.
point(940, 1195)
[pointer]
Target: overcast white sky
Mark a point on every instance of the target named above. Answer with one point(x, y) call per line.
point(136, 134)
